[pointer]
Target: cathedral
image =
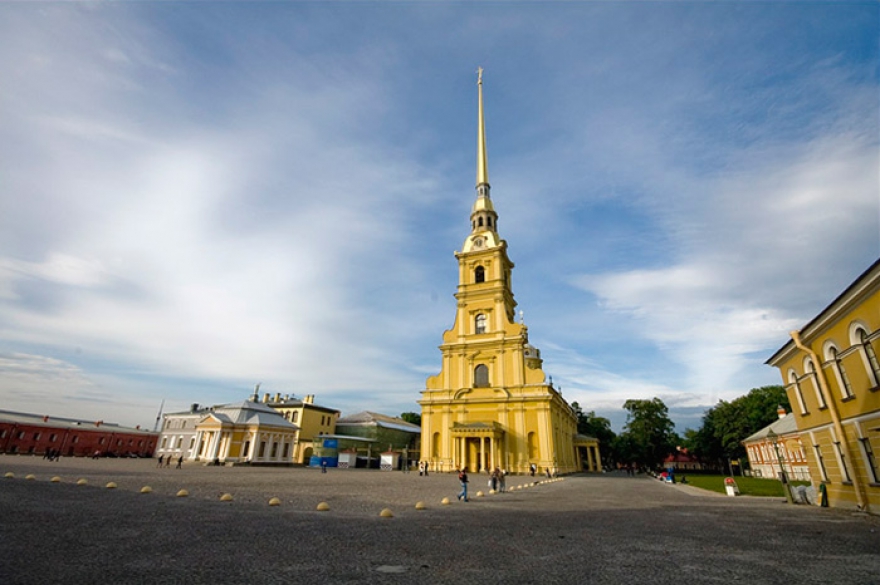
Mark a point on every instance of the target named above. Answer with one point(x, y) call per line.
point(491, 404)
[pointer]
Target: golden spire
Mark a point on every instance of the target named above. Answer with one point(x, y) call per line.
point(482, 165)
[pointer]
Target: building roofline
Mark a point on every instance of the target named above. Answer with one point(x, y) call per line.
point(861, 281)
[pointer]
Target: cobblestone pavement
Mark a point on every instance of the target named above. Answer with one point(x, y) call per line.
point(584, 529)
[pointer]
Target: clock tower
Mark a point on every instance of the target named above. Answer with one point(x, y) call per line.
point(491, 405)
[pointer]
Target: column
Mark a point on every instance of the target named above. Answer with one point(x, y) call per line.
point(225, 454)
point(215, 445)
point(492, 457)
point(195, 451)
point(482, 464)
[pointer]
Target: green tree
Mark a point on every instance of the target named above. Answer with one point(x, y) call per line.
point(412, 417)
point(727, 424)
point(648, 436)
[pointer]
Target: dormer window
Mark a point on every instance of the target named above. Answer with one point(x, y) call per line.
point(480, 323)
point(479, 274)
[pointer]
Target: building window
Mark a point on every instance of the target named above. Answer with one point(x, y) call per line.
point(101, 441)
point(810, 367)
point(820, 461)
point(481, 376)
point(21, 434)
point(286, 450)
point(164, 442)
point(262, 449)
point(480, 222)
point(871, 358)
point(52, 438)
point(480, 323)
point(293, 418)
point(798, 393)
point(36, 436)
point(479, 274)
point(839, 373)
point(868, 452)
point(842, 459)
point(274, 449)
point(192, 442)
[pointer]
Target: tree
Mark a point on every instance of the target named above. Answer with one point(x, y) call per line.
point(727, 424)
point(648, 436)
point(592, 425)
point(412, 417)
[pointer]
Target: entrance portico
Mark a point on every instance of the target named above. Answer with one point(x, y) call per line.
point(478, 446)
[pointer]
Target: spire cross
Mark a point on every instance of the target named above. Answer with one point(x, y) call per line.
point(479, 76)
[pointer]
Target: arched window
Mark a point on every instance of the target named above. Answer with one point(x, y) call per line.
point(481, 376)
point(479, 274)
point(480, 323)
point(810, 368)
point(870, 356)
point(832, 356)
point(480, 222)
point(489, 221)
point(798, 394)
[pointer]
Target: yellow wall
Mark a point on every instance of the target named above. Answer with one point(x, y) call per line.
point(311, 420)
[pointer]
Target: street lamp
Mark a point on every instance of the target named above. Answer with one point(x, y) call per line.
point(783, 477)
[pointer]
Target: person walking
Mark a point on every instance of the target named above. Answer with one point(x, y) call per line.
point(161, 458)
point(463, 479)
point(179, 461)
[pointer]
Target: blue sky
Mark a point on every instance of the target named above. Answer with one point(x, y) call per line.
point(196, 197)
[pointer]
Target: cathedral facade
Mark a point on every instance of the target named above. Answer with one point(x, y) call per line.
point(491, 404)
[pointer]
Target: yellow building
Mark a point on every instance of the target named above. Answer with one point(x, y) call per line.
point(491, 405)
point(312, 420)
point(833, 380)
point(244, 432)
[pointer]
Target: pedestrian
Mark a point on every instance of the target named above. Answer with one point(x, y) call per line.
point(168, 461)
point(495, 479)
point(421, 468)
point(532, 469)
point(161, 458)
point(323, 466)
point(179, 461)
point(463, 479)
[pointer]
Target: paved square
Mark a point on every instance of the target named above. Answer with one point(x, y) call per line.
point(585, 529)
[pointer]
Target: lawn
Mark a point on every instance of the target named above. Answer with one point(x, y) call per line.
point(748, 486)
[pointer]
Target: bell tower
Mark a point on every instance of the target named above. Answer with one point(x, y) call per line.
point(491, 405)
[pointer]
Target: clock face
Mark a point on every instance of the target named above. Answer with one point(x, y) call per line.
point(478, 242)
